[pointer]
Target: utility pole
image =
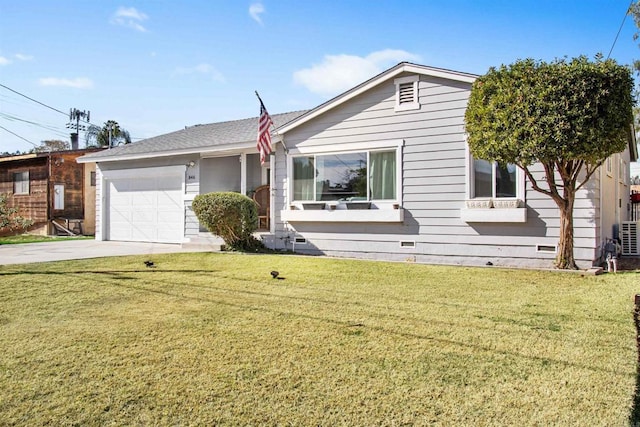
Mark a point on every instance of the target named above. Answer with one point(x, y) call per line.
point(75, 114)
point(111, 126)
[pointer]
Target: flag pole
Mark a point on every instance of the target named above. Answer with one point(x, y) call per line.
point(286, 150)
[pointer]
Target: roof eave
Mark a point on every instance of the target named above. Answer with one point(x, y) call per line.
point(20, 157)
point(200, 151)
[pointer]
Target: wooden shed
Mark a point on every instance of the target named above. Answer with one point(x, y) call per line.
point(52, 190)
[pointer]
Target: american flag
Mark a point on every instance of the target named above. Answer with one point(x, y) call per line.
point(264, 135)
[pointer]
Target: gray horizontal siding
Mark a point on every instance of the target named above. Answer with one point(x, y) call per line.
point(191, 223)
point(434, 182)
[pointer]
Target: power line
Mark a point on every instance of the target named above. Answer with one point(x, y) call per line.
point(34, 100)
point(49, 107)
point(15, 134)
point(50, 128)
point(620, 29)
point(41, 103)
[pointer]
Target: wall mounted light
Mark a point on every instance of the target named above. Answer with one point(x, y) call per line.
point(191, 164)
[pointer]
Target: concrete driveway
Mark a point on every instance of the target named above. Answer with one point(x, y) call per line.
point(80, 249)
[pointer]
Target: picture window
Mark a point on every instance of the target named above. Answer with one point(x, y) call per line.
point(356, 176)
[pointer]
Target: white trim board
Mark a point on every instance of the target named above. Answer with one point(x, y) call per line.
point(354, 146)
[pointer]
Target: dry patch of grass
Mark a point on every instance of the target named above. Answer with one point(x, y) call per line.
point(37, 238)
point(206, 339)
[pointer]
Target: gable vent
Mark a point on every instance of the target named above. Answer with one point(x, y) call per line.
point(406, 94)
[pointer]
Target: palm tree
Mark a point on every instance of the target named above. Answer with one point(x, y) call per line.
point(110, 135)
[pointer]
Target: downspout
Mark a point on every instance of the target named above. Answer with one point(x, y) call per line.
point(601, 213)
point(285, 190)
point(618, 209)
point(272, 213)
point(243, 174)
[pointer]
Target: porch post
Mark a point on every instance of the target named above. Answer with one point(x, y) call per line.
point(243, 174)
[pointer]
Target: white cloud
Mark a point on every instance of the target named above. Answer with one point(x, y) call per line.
point(23, 57)
point(204, 69)
point(78, 83)
point(129, 17)
point(255, 10)
point(337, 73)
point(19, 56)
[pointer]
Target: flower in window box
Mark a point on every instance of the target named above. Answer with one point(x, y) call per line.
point(479, 204)
point(506, 204)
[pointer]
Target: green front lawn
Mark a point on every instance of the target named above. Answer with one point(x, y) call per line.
point(212, 339)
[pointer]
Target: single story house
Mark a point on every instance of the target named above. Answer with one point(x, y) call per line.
point(381, 171)
point(52, 190)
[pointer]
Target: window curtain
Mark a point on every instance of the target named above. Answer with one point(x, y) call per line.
point(322, 182)
point(382, 176)
point(304, 174)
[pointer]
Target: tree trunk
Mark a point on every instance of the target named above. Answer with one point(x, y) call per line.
point(565, 259)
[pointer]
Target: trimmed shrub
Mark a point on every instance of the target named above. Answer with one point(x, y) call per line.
point(232, 216)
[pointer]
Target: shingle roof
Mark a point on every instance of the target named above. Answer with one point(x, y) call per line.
point(198, 137)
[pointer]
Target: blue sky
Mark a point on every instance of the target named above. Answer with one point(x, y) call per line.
point(157, 66)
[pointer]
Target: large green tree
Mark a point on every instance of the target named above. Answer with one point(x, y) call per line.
point(566, 115)
point(634, 11)
point(110, 134)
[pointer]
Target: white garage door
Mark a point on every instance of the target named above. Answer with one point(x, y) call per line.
point(145, 209)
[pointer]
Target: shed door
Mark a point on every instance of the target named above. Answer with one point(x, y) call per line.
point(145, 209)
point(58, 197)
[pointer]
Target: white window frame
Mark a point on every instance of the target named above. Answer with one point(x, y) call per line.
point(336, 211)
point(21, 186)
point(367, 148)
point(609, 166)
point(415, 105)
point(519, 181)
point(492, 209)
point(265, 173)
point(622, 170)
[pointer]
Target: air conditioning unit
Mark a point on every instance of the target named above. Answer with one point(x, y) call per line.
point(630, 238)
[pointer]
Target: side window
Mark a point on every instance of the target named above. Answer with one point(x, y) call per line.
point(493, 180)
point(21, 182)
